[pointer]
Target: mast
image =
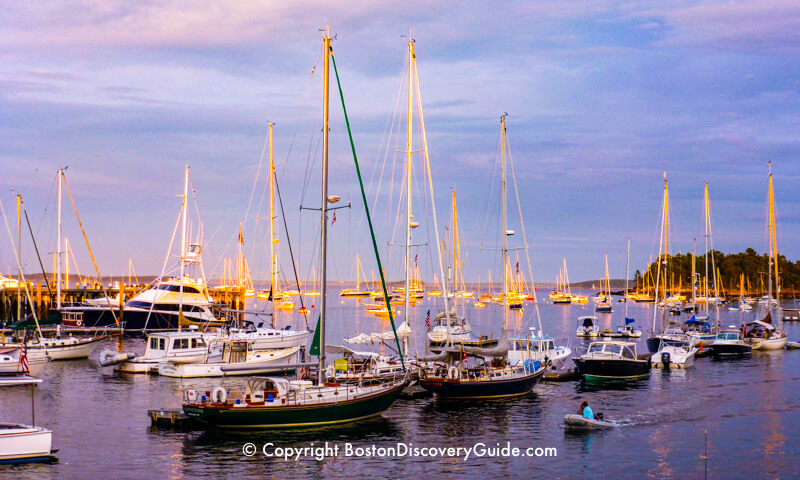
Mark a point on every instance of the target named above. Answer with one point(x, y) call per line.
point(66, 262)
point(183, 243)
point(273, 270)
point(627, 275)
point(662, 247)
point(19, 255)
point(409, 164)
point(58, 245)
point(324, 230)
point(504, 219)
point(706, 255)
point(773, 251)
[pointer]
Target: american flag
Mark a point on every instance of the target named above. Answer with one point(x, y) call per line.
point(23, 358)
point(334, 218)
point(428, 320)
point(517, 266)
point(241, 237)
point(301, 374)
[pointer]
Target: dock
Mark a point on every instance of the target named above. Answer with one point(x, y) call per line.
point(172, 418)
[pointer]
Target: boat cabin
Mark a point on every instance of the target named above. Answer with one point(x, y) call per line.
point(169, 345)
point(613, 349)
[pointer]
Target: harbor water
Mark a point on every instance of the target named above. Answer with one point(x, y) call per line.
point(724, 419)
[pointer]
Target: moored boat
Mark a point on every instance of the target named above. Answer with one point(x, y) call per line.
point(612, 360)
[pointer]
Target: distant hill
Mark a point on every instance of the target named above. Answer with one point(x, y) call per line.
point(615, 283)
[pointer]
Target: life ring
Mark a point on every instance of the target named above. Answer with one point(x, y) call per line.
point(452, 373)
point(79, 323)
point(219, 395)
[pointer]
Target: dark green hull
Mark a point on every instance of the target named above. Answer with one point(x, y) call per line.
point(293, 416)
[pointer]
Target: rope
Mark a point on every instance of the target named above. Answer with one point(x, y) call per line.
point(369, 217)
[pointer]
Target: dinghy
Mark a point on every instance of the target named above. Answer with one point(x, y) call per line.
point(574, 422)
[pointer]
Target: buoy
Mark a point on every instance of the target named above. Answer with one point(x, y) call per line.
point(219, 395)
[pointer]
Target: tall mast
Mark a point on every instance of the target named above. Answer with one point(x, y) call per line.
point(58, 245)
point(409, 164)
point(183, 239)
point(19, 255)
point(773, 249)
point(662, 247)
point(504, 219)
point(705, 291)
point(627, 275)
point(273, 270)
point(324, 246)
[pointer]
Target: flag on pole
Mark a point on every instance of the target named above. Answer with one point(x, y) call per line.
point(241, 237)
point(428, 320)
point(301, 374)
point(334, 218)
point(517, 266)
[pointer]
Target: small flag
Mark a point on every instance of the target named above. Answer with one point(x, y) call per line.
point(23, 358)
point(241, 237)
point(334, 218)
point(302, 373)
point(428, 320)
point(517, 266)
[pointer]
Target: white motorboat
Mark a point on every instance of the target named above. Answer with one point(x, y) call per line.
point(448, 329)
point(176, 347)
point(12, 361)
point(264, 338)
point(587, 326)
point(20, 443)
point(234, 357)
point(541, 348)
point(673, 355)
point(730, 344)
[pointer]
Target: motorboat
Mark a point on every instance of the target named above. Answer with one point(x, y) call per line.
point(700, 331)
point(587, 326)
point(674, 355)
point(674, 335)
point(730, 344)
point(21, 443)
point(177, 347)
point(14, 360)
point(234, 357)
point(541, 348)
point(575, 422)
point(612, 360)
point(264, 338)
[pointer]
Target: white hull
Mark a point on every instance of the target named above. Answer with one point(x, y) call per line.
point(266, 339)
point(777, 343)
point(678, 357)
point(23, 442)
point(447, 335)
point(257, 363)
point(66, 350)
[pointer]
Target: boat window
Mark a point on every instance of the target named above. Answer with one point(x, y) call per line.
point(177, 288)
point(614, 348)
point(154, 343)
point(596, 348)
point(180, 343)
point(162, 343)
point(549, 345)
point(626, 352)
point(198, 343)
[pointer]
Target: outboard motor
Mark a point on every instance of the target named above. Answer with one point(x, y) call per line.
point(665, 360)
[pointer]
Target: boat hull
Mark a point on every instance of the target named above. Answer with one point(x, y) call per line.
point(580, 423)
point(23, 443)
point(139, 319)
point(486, 389)
point(294, 416)
point(731, 351)
point(612, 369)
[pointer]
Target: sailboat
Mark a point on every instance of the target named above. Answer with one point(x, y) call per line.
point(627, 329)
point(604, 303)
point(490, 374)
point(562, 295)
point(763, 335)
point(659, 332)
point(356, 292)
point(699, 329)
point(275, 402)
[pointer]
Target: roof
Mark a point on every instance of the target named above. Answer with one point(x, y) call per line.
point(616, 342)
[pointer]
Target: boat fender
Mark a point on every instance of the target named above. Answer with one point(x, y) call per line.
point(219, 395)
point(110, 357)
point(452, 373)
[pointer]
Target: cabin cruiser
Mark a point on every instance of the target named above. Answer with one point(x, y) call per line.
point(540, 348)
point(674, 334)
point(448, 329)
point(730, 344)
point(159, 307)
point(675, 355)
point(162, 347)
point(612, 360)
point(587, 326)
point(20, 443)
point(235, 357)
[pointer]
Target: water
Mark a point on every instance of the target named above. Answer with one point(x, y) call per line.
point(750, 409)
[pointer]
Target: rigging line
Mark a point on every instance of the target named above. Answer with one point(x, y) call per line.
point(36, 248)
point(490, 195)
point(22, 274)
point(524, 238)
point(430, 186)
point(91, 254)
point(164, 267)
point(369, 219)
point(289, 243)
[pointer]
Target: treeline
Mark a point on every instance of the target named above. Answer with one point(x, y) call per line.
point(730, 268)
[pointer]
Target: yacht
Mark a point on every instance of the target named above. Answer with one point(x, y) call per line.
point(612, 360)
point(159, 307)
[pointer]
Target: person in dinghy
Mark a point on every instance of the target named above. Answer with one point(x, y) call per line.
point(586, 412)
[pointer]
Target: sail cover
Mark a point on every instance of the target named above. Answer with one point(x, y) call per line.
point(403, 331)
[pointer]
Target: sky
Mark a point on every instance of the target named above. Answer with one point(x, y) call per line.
point(602, 99)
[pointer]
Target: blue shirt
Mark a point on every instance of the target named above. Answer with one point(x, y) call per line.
point(588, 413)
